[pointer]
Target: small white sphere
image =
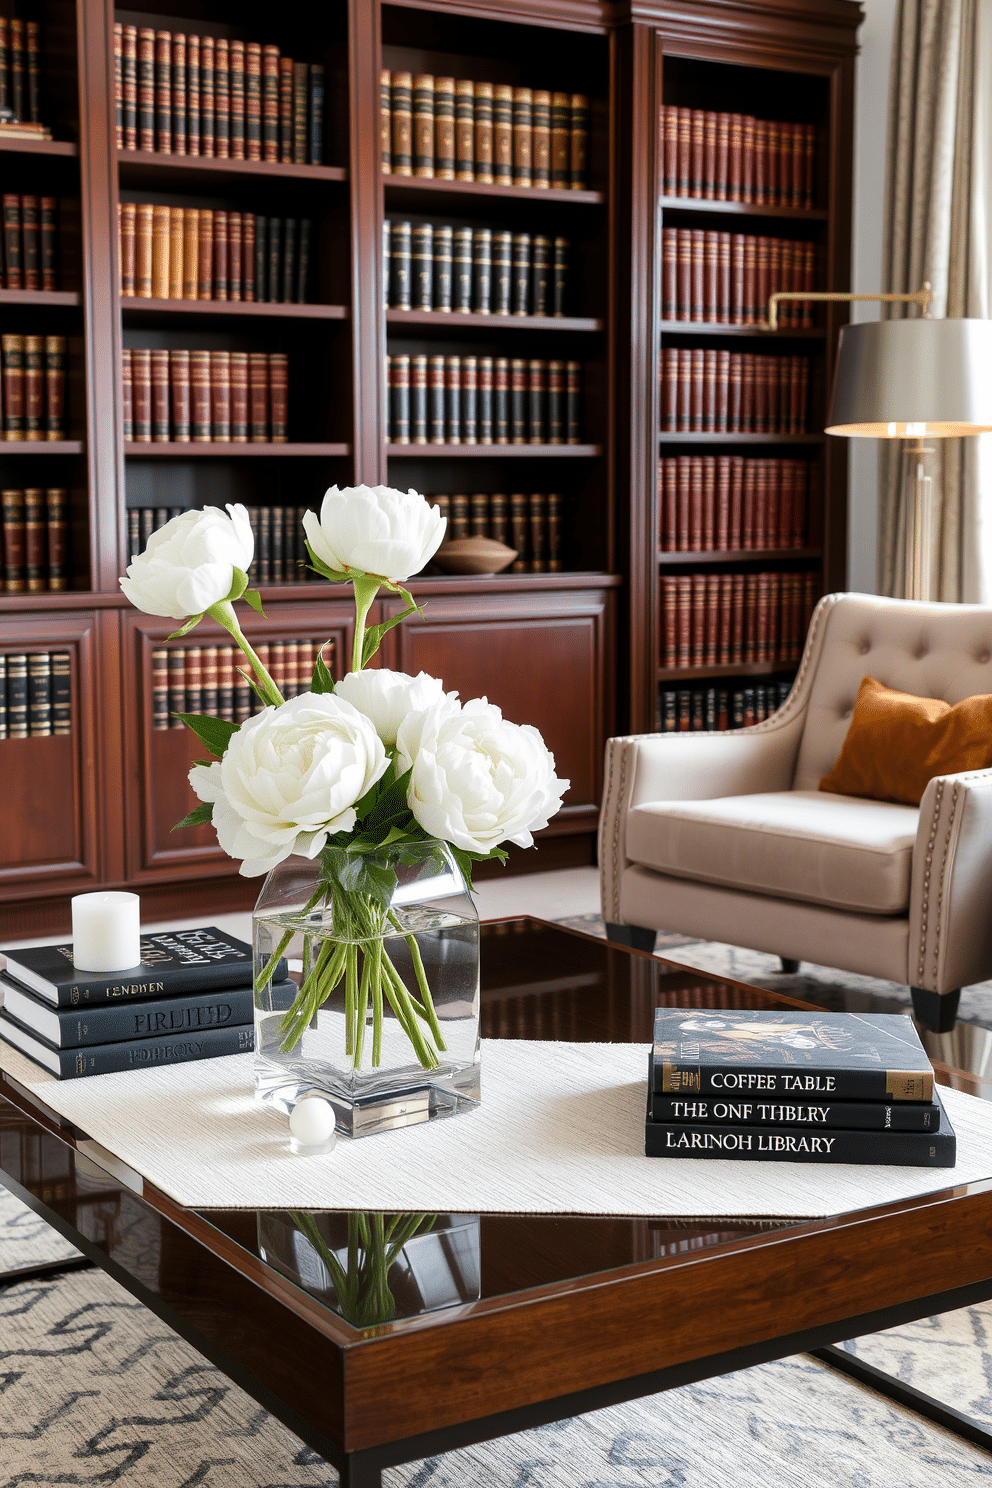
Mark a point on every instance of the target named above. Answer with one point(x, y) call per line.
point(311, 1122)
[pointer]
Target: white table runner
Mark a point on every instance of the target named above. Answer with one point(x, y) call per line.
point(560, 1130)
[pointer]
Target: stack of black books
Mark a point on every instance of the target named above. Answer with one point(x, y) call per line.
point(189, 998)
point(791, 1086)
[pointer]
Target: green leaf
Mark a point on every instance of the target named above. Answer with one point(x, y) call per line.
point(375, 633)
point(390, 805)
point(239, 583)
point(215, 733)
point(252, 597)
point(186, 627)
point(321, 681)
point(336, 576)
point(254, 684)
point(198, 817)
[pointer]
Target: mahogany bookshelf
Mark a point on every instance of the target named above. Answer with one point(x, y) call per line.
point(735, 669)
point(573, 652)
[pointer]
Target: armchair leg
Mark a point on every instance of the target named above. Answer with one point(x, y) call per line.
point(789, 966)
point(635, 936)
point(936, 1012)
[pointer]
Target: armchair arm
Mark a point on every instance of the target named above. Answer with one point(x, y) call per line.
point(950, 924)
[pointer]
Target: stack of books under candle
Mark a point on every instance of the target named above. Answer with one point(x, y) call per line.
point(189, 998)
point(793, 1086)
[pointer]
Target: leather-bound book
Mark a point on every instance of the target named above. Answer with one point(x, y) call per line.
point(482, 269)
point(160, 396)
point(684, 465)
point(39, 694)
point(239, 397)
point(177, 71)
point(781, 270)
point(520, 274)
point(199, 377)
point(402, 116)
point(443, 257)
point(208, 676)
point(712, 607)
point(174, 284)
point(274, 270)
point(501, 400)
point(118, 84)
point(176, 682)
point(146, 88)
point(708, 463)
point(31, 255)
point(668, 638)
point(683, 416)
point(253, 100)
point(772, 164)
point(286, 90)
point(684, 137)
point(750, 279)
point(806, 487)
point(220, 397)
point(773, 519)
point(288, 266)
point(483, 127)
point(502, 259)
point(709, 155)
point(737, 285)
point(696, 165)
point(234, 256)
point(248, 256)
point(387, 232)
point(809, 135)
point(236, 63)
point(13, 386)
point(423, 125)
point(735, 392)
point(193, 142)
point(205, 263)
point(127, 404)
point(542, 139)
point(539, 273)
point(735, 158)
point(47, 242)
point(141, 394)
point(14, 556)
point(561, 148)
point(695, 504)
point(523, 137)
point(725, 619)
point(418, 399)
point(578, 142)
point(537, 401)
point(709, 390)
point(422, 267)
point(279, 396)
point(736, 525)
point(808, 282)
point(668, 504)
point(126, 217)
point(34, 540)
point(160, 253)
point(191, 253)
point(750, 617)
point(669, 273)
point(222, 99)
point(453, 401)
point(519, 531)
point(762, 278)
point(435, 400)
point(683, 273)
point(315, 154)
point(748, 393)
point(485, 400)
point(774, 626)
point(721, 170)
point(129, 85)
point(163, 92)
point(193, 659)
point(499, 517)
point(160, 689)
point(478, 510)
point(761, 497)
point(444, 128)
point(721, 526)
point(13, 260)
point(518, 400)
point(54, 374)
point(761, 187)
point(761, 598)
point(748, 158)
point(697, 377)
point(557, 429)
point(400, 255)
point(258, 397)
point(791, 152)
point(465, 130)
point(562, 252)
point(803, 397)
point(748, 504)
point(722, 421)
point(763, 379)
point(573, 402)
point(697, 275)
point(711, 256)
point(270, 103)
point(462, 270)
point(17, 70)
point(179, 389)
point(470, 400)
point(503, 134)
point(225, 683)
point(537, 509)
point(684, 623)
point(277, 654)
point(781, 399)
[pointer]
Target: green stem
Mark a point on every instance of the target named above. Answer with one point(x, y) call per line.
point(223, 613)
point(366, 588)
point(362, 1010)
point(376, 1002)
point(421, 975)
point(350, 998)
point(265, 975)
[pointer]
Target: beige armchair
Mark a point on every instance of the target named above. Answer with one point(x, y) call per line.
point(727, 837)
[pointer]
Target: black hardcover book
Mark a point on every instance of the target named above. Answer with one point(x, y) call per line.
point(540, 266)
point(276, 515)
point(435, 399)
point(453, 400)
point(537, 398)
point(261, 259)
point(502, 267)
point(143, 1053)
point(172, 961)
point(303, 262)
point(443, 248)
point(747, 1111)
point(482, 268)
point(518, 401)
point(501, 400)
point(418, 400)
point(39, 694)
point(470, 400)
point(399, 382)
point(422, 267)
point(844, 1056)
point(485, 400)
point(556, 402)
point(462, 270)
point(399, 267)
point(316, 113)
point(17, 695)
point(277, 229)
point(386, 261)
point(521, 274)
point(288, 294)
point(69, 1028)
point(560, 274)
point(573, 402)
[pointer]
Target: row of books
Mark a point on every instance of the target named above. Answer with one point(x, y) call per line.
point(190, 253)
point(30, 254)
point(481, 269)
point(190, 997)
point(722, 278)
point(717, 709)
point(213, 680)
point(203, 397)
point(723, 619)
point(483, 400)
point(187, 94)
point(35, 694)
point(779, 1085)
point(736, 157)
point(20, 73)
point(33, 387)
point(35, 540)
point(724, 503)
point(280, 551)
point(457, 130)
point(529, 523)
point(729, 392)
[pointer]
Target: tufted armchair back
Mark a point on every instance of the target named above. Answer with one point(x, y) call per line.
point(931, 650)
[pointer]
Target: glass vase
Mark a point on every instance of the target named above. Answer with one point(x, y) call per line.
point(367, 986)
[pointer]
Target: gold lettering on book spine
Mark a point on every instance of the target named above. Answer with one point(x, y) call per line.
point(909, 1085)
point(675, 1081)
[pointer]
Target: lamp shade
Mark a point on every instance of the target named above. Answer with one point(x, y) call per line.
point(913, 379)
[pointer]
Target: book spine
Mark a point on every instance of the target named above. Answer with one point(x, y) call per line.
point(501, 400)
point(541, 124)
point(423, 125)
point(248, 257)
point(160, 396)
point(12, 354)
point(523, 137)
point(220, 396)
point(253, 100)
point(118, 84)
point(518, 401)
point(145, 1053)
point(279, 396)
point(17, 694)
point(222, 99)
point(316, 149)
point(562, 249)
point(127, 399)
point(573, 402)
point(286, 66)
point(191, 253)
point(400, 257)
point(236, 82)
point(503, 134)
point(288, 293)
point(199, 377)
point(444, 128)
point(163, 92)
point(39, 695)
point(235, 246)
point(192, 94)
point(435, 399)
point(17, 68)
point(34, 389)
point(208, 118)
point(421, 267)
point(205, 255)
point(418, 399)
point(385, 121)
point(56, 537)
point(179, 384)
point(174, 276)
point(462, 270)
point(275, 258)
point(239, 397)
point(799, 1144)
point(502, 251)
point(261, 274)
point(14, 542)
point(270, 103)
point(402, 100)
point(483, 132)
point(61, 693)
point(30, 254)
point(13, 261)
point(537, 400)
point(520, 273)
point(258, 397)
point(672, 1078)
point(146, 89)
point(556, 403)
point(469, 402)
point(578, 141)
point(178, 71)
point(485, 400)
point(453, 400)
point(160, 253)
point(538, 532)
point(464, 130)
point(482, 269)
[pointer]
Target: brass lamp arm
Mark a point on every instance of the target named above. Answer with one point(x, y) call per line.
point(922, 297)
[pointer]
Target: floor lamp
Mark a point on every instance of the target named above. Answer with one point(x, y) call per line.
point(913, 380)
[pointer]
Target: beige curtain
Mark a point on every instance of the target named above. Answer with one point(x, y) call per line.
point(936, 228)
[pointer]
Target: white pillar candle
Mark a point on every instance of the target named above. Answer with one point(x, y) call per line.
point(106, 932)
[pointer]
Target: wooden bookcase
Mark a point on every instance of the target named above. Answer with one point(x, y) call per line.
point(576, 651)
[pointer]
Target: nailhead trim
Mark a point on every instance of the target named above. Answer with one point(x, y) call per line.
point(621, 797)
point(938, 798)
point(943, 869)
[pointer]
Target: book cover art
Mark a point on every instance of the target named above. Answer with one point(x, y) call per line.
point(845, 1056)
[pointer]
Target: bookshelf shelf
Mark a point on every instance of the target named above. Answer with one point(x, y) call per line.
point(742, 439)
point(10, 144)
point(172, 450)
point(139, 166)
point(742, 209)
point(414, 188)
point(734, 669)
point(738, 556)
point(42, 447)
point(716, 328)
point(133, 308)
point(48, 297)
point(455, 320)
point(493, 451)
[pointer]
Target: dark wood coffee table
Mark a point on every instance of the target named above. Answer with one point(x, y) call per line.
point(562, 1314)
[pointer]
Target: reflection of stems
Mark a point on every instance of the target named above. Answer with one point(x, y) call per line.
point(362, 1287)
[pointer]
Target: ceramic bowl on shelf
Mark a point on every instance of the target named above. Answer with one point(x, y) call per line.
point(474, 555)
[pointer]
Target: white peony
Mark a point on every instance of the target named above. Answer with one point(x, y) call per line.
point(189, 563)
point(478, 780)
point(290, 777)
point(387, 697)
point(375, 530)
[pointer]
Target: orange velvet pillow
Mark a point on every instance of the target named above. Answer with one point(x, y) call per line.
point(897, 743)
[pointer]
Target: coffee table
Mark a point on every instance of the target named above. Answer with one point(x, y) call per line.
point(551, 1315)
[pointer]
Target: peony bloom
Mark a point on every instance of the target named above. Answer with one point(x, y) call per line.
point(375, 530)
point(290, 777)
point(387, 697)
point(477, 779)
point(189, 563)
